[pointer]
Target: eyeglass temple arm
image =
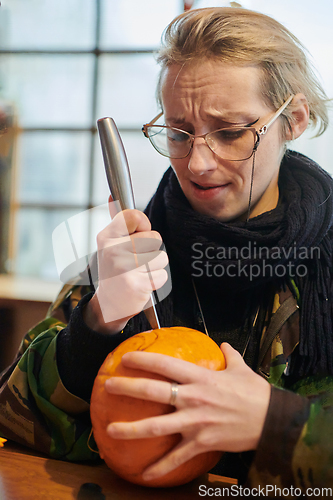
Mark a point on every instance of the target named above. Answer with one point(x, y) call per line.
point(264, 128)
point(156, 118)
point(144, 128)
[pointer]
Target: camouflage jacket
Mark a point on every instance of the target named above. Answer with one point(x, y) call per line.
point(296, 446)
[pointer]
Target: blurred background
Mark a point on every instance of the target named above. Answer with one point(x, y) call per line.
point(66, 63)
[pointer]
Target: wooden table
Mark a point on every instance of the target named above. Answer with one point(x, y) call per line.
point(25, 475)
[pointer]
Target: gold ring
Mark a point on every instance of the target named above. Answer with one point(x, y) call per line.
point(174, 392)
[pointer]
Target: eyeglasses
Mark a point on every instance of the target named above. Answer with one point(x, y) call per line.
point(232, 143)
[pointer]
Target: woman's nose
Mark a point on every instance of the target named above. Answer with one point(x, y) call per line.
point(201, 159)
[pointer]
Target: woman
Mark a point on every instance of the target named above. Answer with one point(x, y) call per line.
point(247, 228)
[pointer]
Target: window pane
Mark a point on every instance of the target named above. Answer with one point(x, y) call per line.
point(129, 24)
point(34, 229)
point(146, 166)
point(127, 89)
point(54, 167)
point(7, 179)
point(36, 248)
point(48, 90)
point(47, 24)
point(71, 244)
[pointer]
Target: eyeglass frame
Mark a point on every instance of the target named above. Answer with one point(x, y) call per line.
point(257, 133)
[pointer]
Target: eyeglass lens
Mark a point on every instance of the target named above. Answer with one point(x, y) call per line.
point(235, 143)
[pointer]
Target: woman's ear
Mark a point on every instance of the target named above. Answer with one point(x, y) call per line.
point(299, 109)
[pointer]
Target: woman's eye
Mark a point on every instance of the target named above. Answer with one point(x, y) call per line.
point(230, 134)
point(177, 136)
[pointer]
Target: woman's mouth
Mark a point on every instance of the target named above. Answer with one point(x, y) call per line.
point(205, 187)
point(205, 191)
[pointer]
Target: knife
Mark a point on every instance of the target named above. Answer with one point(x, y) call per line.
point(120, 184)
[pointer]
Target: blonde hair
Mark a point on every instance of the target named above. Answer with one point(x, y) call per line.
point(240, 36)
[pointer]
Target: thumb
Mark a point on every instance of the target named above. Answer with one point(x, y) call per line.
point(232, 357)
point(128, 222)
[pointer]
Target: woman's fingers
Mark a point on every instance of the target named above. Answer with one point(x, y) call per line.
point(142, 388)
point(176, 369)
point(130, 266)
point(156, 279)
point(128, 222)
point(155, 427)
point(154, 260)
point(214, 410)
point(162, 425)
point(183, 452)
point(233, 359)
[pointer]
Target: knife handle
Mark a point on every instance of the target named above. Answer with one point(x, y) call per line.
point(120, 184)
point(116, 164)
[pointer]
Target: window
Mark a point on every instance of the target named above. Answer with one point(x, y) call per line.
point(65, 64)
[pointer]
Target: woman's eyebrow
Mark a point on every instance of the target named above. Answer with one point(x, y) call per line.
point(174, 119)
point(239, 123)
point(181, 121)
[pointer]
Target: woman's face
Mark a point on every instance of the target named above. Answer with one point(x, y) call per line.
point(208, 96)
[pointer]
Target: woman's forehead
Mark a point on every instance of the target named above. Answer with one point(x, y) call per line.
point(214, 86)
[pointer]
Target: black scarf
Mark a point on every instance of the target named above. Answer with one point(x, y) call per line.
point(265, 250)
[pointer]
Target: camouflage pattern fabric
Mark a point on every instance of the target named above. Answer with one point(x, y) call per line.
point(296, 447)
point(35, 408)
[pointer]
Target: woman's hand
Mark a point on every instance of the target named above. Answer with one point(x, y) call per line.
point(130, 266)
point(222, 410)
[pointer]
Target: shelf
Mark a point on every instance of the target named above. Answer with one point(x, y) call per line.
point(28, 289)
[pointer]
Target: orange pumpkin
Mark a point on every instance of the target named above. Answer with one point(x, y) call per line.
point(129, 458)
